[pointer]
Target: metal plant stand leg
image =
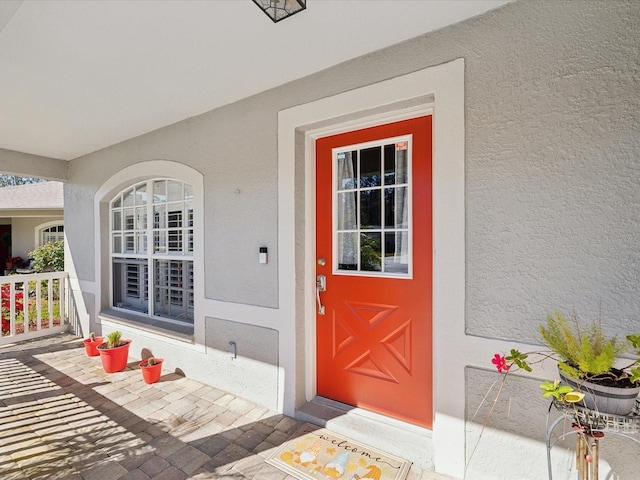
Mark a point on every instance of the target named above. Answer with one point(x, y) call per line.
point(594, 464)
point(589, 427)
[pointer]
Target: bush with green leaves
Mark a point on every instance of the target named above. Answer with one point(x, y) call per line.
point(48, 257)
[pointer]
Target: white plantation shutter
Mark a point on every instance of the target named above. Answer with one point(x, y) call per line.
point(165, 269)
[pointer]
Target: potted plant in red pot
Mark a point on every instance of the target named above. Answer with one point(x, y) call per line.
point(151, 369)
point(114, 353)
point(91, 344)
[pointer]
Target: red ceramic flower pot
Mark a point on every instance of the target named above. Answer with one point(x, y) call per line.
point(151, 373)
point(92, 346)
point(114, 359)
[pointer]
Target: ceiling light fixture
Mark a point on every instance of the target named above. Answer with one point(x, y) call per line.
point(280, 9)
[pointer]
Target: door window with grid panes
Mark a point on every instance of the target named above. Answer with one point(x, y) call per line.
point(152, 250)
point(372, 231)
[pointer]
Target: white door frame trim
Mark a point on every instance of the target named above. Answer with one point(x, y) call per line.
point(439, 89)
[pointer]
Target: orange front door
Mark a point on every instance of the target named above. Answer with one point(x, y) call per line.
point(374, 248)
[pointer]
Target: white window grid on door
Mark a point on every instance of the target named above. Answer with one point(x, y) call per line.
point(382, 229)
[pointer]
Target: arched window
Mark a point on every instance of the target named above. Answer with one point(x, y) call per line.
point(151, 237)
point(51, 234)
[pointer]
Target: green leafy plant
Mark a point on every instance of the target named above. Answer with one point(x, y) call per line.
point(518, 359)
point(113, 339)
point(583, 351)
point(634, 368)
point(564, 393)
point(48, 257)
point(371, 259)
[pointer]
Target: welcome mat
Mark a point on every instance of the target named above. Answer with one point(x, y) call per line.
point(314, 453)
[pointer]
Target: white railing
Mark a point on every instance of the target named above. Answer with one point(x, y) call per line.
point(33, 305)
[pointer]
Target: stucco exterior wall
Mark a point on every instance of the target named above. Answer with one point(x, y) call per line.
point(239, 178)
point(552, 102)
point(552, 188)
point(23, 232)
point(552, 169)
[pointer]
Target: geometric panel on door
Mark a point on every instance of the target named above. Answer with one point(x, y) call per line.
point(398, 343)
point(370, 314)
point(369, 366)
point(343, 336)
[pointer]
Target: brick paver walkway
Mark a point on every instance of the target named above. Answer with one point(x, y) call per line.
point(62, 417)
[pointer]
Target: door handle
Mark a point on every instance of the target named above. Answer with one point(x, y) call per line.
point(321, 286)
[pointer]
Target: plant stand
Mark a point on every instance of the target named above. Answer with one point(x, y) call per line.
point(589, 427)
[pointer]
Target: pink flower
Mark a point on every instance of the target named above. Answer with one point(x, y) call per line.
point(500, 362)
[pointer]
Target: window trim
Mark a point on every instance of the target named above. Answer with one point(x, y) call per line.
point(129, 176)
point(149, 256)
point(44, 226)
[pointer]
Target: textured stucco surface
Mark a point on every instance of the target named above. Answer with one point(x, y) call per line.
point(553, 184)
point(253, 372)
point(240, 192)
point(552, 191)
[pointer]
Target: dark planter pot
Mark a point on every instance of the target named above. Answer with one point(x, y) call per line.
point(114, 359)
point(603, 399)
point(91, 347)
point(151, 373)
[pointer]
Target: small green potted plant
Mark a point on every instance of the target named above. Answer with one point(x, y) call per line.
point(114, 353)
point(586, 363)
point(91, 344)
point(151, 369)
point(587, 359)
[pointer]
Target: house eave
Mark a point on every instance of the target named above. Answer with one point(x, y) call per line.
point(31, 213)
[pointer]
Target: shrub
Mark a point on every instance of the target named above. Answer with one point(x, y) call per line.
point(48, 257)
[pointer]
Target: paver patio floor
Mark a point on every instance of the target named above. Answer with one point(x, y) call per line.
point(62, 417)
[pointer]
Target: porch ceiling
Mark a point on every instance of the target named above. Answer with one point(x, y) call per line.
point(77, 76)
